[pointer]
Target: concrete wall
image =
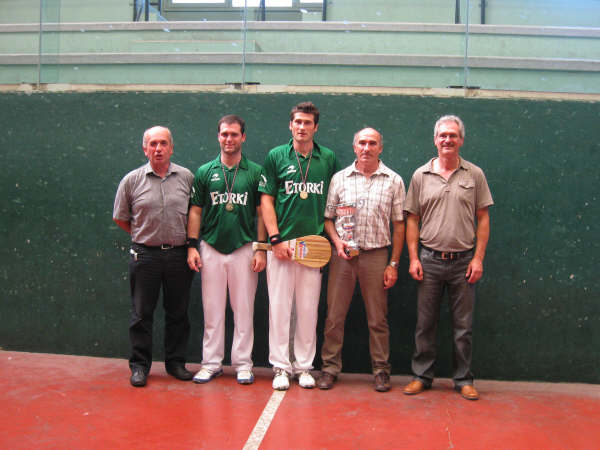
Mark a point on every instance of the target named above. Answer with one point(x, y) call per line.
point(297, 53)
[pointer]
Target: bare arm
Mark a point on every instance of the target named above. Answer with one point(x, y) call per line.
point(193, 231)
point(259, 260)
point(124, 225)
point(475, 268)
point(390, 274)
point(412, 244)
point(267, 206)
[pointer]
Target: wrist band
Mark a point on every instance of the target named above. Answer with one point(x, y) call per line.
point(275, 239)
point(192, 242)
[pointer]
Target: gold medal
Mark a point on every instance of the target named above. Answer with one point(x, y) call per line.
point(303, 176)
point(229, 206)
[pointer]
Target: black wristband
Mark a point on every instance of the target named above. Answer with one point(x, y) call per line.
point(275, 239)
point(192, 242)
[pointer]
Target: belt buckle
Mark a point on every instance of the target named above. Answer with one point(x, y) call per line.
point(448, 255)
point(166, 246)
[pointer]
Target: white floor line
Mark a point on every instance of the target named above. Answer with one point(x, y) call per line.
point(265, 419)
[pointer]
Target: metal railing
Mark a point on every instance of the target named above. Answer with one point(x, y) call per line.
point(146, 7)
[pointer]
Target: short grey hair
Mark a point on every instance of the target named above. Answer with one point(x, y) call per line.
point(147, 132)
point(450, 118)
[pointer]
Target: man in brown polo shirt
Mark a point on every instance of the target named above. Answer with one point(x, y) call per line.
point(447, 205)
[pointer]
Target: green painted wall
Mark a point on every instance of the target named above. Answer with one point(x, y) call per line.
point(64, 263)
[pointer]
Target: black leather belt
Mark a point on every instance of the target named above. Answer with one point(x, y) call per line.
point(160, 247)
point(448, 255)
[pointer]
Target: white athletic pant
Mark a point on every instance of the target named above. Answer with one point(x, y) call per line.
point(218, 272)
point(286, 279)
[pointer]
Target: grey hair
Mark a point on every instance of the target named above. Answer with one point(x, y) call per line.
point(450, 118)
point(147, 132)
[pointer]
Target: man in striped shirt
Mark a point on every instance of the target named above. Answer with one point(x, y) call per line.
point(376, 195)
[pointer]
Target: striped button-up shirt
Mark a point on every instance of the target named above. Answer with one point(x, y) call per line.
point(378, 199)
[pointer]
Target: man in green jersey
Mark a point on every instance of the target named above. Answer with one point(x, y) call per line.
point(294, 190)
point(226, 205)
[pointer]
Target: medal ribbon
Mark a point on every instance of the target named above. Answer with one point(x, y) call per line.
point(303, 176)
point(229, 189)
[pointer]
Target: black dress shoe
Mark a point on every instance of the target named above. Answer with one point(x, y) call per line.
point(138, 378)
point(180, 372)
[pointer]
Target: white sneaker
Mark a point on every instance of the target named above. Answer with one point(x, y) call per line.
point(306, 380)
point(245, 377)
point(281, 382)
point(204, 375)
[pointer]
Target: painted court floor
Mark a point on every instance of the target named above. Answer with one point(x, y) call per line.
point(74, 402)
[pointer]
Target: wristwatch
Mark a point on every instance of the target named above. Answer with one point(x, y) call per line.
point(394, 264)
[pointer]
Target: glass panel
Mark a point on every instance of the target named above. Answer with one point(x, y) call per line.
point(50, 42)
point(535, 46)
point(115, 50)
point(506, 44)
point(413, 11)
point(408, 44)
point(19, 41)
point(558, 13)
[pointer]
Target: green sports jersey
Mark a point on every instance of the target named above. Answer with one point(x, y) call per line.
point(283, 180)
point(225, 230)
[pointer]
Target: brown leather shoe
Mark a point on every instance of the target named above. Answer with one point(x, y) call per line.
point(469, 392)
point(382, 382)
point(415, 387)
point(326, 380)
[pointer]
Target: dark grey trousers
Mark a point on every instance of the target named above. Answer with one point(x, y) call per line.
point(439, 276)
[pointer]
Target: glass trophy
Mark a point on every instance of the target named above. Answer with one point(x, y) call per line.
point(345, 225)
